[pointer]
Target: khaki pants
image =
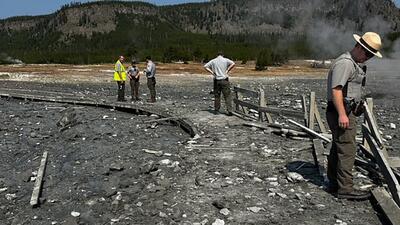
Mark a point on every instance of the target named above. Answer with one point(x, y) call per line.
point(224, 87)
point(121, 90)
point(135, 83)
point(151, 84)
point(342, 154)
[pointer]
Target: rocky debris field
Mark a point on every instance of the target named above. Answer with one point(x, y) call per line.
point(110, 167)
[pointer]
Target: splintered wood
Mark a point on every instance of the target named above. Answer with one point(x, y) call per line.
point(39, 180)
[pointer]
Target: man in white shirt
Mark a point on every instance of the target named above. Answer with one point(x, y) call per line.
point(220, 68)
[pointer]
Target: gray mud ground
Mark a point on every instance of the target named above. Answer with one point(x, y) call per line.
point(99, 167)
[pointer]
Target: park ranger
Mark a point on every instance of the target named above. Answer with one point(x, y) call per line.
point(220, 68)
point(120, 77)
point(346, 78)
point(150, 72)
point(134, 80)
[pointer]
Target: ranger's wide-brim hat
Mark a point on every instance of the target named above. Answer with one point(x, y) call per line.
point(371, 42)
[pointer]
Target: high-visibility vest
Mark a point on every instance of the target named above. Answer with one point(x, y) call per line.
point(119, 75)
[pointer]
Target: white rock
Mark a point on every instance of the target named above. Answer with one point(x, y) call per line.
point(10, 196)
point(3, 190)
point(294, 177)
point(256, 179)
point(75, 214)
point(392, 126)
point(165, 162)
point(255, 209)
point(224, 211)
point(218, 222)
point(272, 179)
point(282, 195)
point(274, 184)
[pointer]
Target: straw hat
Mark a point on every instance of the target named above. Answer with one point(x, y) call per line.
point(370, 41)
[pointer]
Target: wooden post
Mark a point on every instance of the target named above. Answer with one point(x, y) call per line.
point(263, 103)
point(237, 97)
point(319, 158)
point(319, 120)
point(389, 207)
point(304, 104)
point(38, 183)
point(312, 111)
point(370, 103)
point(391, 180)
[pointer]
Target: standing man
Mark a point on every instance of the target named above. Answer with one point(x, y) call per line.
point(345, 81)
point(120, 77)
point(150, 72)
point(220, 68)
point(134, 80)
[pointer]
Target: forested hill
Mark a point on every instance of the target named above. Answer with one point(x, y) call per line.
point(100, 31)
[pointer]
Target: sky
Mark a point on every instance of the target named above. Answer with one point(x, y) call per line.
point(9, 8)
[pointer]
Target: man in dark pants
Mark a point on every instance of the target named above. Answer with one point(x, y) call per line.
point(150, 72)
point(345, 81)
point(134, 80)
point(220, 68)
point(120, 77)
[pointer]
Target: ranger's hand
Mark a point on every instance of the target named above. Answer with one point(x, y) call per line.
point(344, 122)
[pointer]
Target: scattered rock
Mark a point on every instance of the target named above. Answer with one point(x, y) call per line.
point(294, 177)
point(116, 167)
point(224, 211)
point(75, 214)
point(255, 209)
point(392, 126)
point(10, 197)
point(218, 222)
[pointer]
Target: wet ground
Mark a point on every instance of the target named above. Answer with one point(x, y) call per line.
point(108, 169)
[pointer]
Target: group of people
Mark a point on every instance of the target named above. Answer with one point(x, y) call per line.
point(218, 67)
point(133, 74)
point(346, 78)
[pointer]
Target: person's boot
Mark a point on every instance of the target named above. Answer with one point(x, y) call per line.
point(354, 195)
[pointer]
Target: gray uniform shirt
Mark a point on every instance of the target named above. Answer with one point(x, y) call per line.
point(150, 69)
point(341, 71)
point(219, 66)
point(133, 71)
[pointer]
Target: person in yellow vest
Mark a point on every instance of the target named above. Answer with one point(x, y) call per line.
point(120, 77)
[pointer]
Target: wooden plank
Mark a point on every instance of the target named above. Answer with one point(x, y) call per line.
point(239, 97)
point(373, 127)
point(394, 162)
point(246, 104)
point(311, 132)
point(283, 112)
point(250, 93)
point(388, 206)
point(263, 103)
point(319, 120)
point(383, 163)
point(39, 180)
point(320, 158)
point(312, 111)
point(370, 103)
point(161, 119)
point(304, 104)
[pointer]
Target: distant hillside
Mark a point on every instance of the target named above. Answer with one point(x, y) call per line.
point(100, 31)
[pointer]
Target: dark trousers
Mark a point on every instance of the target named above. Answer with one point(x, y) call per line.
point(121, 90)
point(151, 84)
point(135, 83)
point(224, 87)
point(342, 154)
